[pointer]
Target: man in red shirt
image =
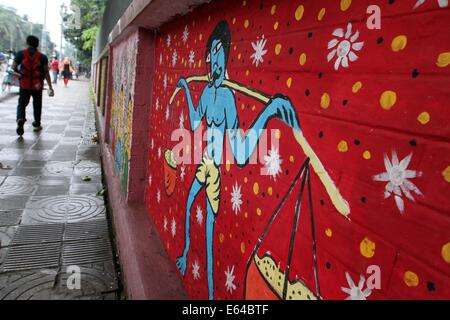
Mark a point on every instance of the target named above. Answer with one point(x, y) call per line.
point(55, 70)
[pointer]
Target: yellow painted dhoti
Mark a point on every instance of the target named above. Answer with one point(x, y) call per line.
point(208, 174)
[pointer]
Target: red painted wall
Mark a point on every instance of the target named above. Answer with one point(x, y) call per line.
point(382, 112)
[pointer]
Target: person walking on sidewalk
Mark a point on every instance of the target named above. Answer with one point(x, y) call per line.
point(66, 70)
point(33, 68)
point(55, 70)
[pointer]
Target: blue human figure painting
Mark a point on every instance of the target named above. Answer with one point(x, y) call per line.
point(218, 106)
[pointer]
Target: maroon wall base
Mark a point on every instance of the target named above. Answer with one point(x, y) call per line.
point(147, 271)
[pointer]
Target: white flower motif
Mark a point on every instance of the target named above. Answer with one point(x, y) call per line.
point(174, 58)
point(182, 173)
point(442, 3)
point(344, 47)
point(356, 292)
point(169, 40)
point(397, 175)
point(273, 163)
point(182, 120)
point(158, 196)
point(199, 215)
point(166, 224)
point(165, 81)
point(260, 51)
point(236, 198)
point(229, 284)
point(185, 35)
point(174, 228)
point(191, 60)
point(167, 113)
point(196, 270)
point(159, 153)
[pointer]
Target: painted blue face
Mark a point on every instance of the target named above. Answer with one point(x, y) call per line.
point(216, 62)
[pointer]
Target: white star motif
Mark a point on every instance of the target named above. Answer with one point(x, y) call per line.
point(169, 40)
point(236, 198)
point(196, 270)
point(356, 292)
point(167, 113)
point(185, 35)
point(182, 120)
point(158, 196)
point(174, 228)
point(229, 283)
point(199, 215)
point(166, 223)
point(397, 175)
point(191, 60)
point(157, 104)
point(165, 82)
point(342, 47)
point(182, 173)
point(159, 153)
point(174, 58)
point(260, 51)
point(442, 3)
point(273, 163)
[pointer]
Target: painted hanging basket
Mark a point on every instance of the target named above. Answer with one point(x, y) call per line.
point(170, 172)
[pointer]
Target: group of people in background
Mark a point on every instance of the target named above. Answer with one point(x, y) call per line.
point(65, 68)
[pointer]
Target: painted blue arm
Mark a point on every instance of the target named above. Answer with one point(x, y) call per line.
point(243, 147)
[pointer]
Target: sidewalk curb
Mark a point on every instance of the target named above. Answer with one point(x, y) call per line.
point(148, 273)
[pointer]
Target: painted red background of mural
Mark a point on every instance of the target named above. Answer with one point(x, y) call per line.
point(351, 135)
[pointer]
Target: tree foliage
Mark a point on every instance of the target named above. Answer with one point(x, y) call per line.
point(14, 30)
point(83, 36)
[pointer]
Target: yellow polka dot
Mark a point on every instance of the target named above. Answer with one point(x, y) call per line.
point(278, 134)
point(270, 191)
point(367, 248)
point(357, 86)
point(299, 12)
point(424, 118)
point(200, 37)
point(399, 43)
point(446, 252)
point(231, 236)
point(209, 18)
point(443, 60)
point(276, 25)
point(244, 3)
point(234, 21)
point(289, 83)
point(221, 238)
point(411, 279)
point(325, 101)
point(278, 49)
point(242, 247)
point(246, 24)
point(329, 233)
point(302, 59)
point(343, 146)
point(291, 159)
point(321, 14)
point(273, 10)
point(245, 180)
point(247, 73)
point(259, 212)
point(239, 56)
point(446, 174)
point(367, 155)
point(246, 215)
point(256, 188)
point(228, 166)
point(388, 99)
point(345, 4)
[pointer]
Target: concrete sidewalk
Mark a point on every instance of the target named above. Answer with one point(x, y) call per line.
point(51, 214)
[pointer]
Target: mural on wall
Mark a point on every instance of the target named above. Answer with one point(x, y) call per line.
point(349, 188)
point(124, 69)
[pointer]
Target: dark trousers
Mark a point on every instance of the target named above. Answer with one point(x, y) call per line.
point(24, 100)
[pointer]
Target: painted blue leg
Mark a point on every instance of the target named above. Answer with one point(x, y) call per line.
point(182, 261)
point(210, 221)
